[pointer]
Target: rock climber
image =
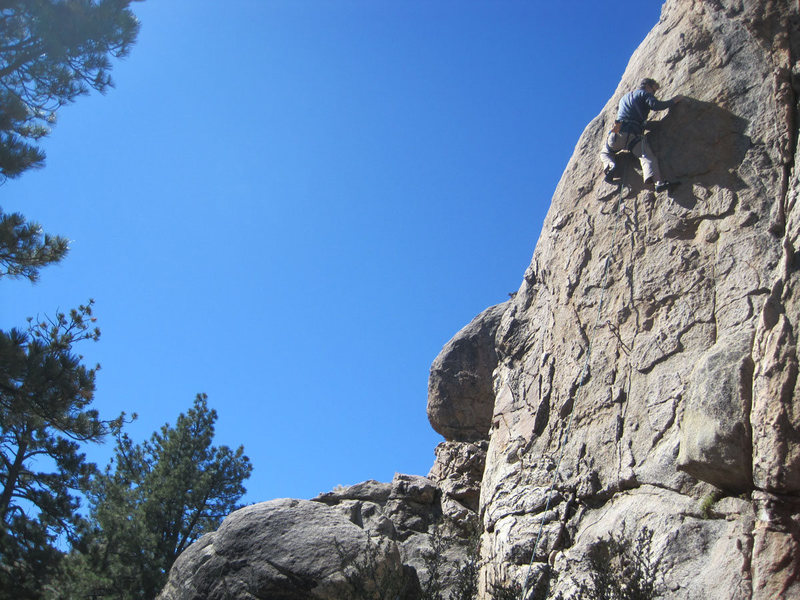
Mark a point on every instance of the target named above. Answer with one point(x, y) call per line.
point(628, 133)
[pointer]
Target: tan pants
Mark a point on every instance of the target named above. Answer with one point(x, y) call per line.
point(619, 141)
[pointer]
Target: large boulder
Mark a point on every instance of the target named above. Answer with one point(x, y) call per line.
point(288, 550)
point(460, 394)
point(369, 540)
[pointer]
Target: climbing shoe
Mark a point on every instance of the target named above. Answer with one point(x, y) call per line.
point(610, 174)
point(666, 186)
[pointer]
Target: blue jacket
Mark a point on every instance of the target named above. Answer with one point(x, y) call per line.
point(634, 108)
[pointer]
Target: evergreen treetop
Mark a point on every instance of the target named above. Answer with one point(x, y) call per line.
point(51, 52)
point(154, 499)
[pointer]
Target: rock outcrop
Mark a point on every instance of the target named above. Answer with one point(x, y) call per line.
point(370, 540)
point(649, 357)
point(282, 549)
point(643, 378)
point(460, 394)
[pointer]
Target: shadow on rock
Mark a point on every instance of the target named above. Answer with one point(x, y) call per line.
point(700, 143)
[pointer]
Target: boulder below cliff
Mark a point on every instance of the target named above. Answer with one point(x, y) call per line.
point(282, 548)
point(460, 394)
point(289, 549)
point(369, 540)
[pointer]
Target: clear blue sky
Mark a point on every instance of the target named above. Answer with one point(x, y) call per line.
point(292, 205)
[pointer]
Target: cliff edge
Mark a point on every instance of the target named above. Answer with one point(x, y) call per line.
point(647, 366)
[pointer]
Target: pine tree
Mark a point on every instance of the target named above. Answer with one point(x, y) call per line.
point(45, 415)
point(153, 500)
point(51, 52)
point(24, 248)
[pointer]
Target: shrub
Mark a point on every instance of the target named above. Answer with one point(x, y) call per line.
point(622, 569)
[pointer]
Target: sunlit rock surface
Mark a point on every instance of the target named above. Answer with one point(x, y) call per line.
point(659, 330)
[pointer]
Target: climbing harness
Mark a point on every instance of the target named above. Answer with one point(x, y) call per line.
point(581, 379)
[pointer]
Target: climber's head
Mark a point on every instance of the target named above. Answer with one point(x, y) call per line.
point(649, 85)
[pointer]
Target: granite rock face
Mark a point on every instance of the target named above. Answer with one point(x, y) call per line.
point(649, 357)
point(716, 444)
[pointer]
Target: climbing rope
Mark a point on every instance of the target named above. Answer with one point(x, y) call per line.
point(584, 372)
